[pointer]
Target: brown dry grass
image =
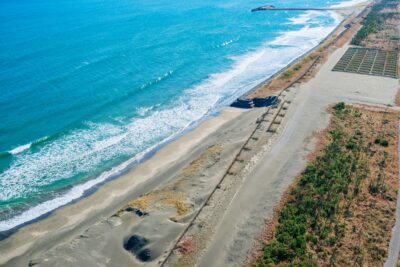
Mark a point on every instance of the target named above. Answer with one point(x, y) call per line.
point(368, 230)
point(174, 194)
point(157, 198)
point(201, 162)
point(285, 79)
point(370, 216)
point(386, 37)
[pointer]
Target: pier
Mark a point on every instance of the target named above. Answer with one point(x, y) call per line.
point(273, 8)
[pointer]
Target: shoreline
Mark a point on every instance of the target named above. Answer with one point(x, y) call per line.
point(124, 167)
point(75, 220)
point(69, 217)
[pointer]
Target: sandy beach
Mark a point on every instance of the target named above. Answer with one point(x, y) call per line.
point(75, 218)
point(245, 158)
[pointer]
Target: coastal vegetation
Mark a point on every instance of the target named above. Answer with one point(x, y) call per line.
point(379, 26)
point(342, 207)
point(371, 23)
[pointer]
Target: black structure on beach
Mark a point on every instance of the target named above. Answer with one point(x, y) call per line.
point(256, 102)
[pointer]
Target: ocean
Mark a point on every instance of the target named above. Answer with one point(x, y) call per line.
point(89, 88)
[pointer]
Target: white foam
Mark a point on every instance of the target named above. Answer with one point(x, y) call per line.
point(312, 16)
point(20, 149)
point(158, 79)
point(307, 36)
point(143, 111)
point(75, 193)
point(226, 43)
point(103, 144)
point(350, 3)
point(336, 16)
point(83, 151)
point(306, 18)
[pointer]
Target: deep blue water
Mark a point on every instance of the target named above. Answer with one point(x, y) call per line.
point(86, 85)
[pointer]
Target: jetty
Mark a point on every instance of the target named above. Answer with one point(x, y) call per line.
point(273, 8)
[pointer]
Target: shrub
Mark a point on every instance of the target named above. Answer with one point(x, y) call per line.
point(371, 24)
point(276, 252)
point(339, 106)
point(382, 142)
point(288, 74)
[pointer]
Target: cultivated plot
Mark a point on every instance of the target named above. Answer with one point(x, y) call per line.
point(368, 61)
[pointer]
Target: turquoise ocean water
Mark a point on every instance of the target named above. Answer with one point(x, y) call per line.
point(88, 87)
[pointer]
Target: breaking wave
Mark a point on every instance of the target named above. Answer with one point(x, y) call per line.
point(85, 151)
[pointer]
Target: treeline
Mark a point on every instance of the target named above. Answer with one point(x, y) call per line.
point(373, 21)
